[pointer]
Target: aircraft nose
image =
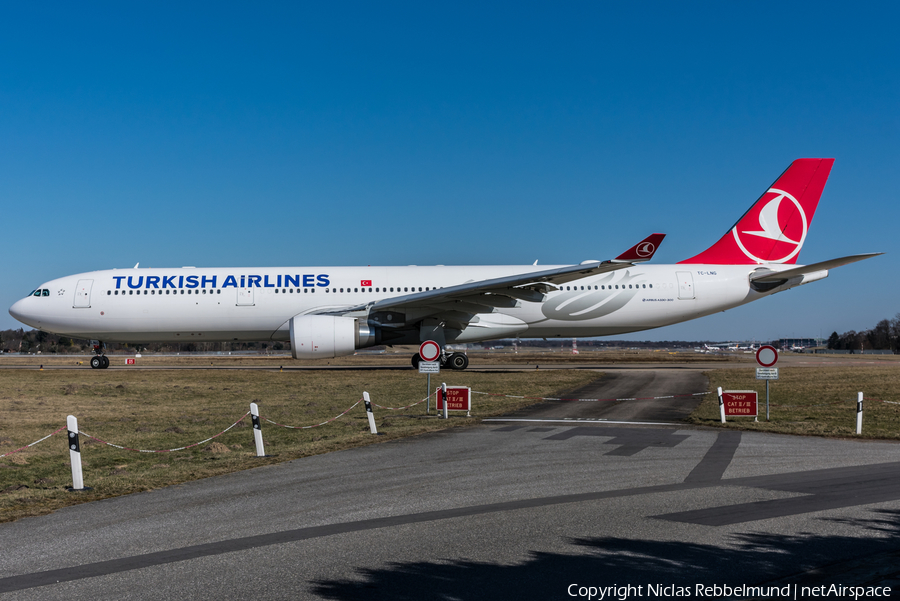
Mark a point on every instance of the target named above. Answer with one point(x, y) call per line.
point(21, 313)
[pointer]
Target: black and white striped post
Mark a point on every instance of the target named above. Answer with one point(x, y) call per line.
point(369, 413)
point(75, 453)
point(859, 400)
point(721, 405)
point(444, 399)
point(257, 430)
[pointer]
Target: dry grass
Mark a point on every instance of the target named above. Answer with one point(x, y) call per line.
point(813, 401)
point(399, 356)
point(164, 409)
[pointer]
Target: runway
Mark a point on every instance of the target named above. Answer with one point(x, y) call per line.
point(501, 510)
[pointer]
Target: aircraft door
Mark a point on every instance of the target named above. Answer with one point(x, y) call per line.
point(245, 297)
point(83, 294)
point(685, 285)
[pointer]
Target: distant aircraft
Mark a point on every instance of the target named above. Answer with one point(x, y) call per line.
point(331, 311)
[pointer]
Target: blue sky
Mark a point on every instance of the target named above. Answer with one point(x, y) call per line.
point(223, 134)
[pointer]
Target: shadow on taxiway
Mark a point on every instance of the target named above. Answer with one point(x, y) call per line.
point(753, 559)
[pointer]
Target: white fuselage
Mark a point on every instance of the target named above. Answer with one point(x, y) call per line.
point(247, 304)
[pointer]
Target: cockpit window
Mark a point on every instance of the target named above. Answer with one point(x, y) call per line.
point(45, 292)
point(36, 293)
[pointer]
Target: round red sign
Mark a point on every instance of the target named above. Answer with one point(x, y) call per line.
point(766, 355)
point(430, 350)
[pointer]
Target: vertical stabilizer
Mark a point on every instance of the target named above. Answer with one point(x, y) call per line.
point(775, 227)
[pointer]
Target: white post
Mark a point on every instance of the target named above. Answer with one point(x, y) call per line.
point(721, 405)
point(75, 453)
point(369, 413)
point(444, 397)
point(257, 430)
point(859, 413)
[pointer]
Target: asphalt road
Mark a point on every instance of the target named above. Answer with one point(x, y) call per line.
point(507, 510)
point(633, 395)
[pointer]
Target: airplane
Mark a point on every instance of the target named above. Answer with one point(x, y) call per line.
point(326, 312)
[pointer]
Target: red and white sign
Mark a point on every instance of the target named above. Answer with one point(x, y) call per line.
point(365, 282)
point(459, 398)
point(129, 361)
point(429, 350)
point(740, 403)
point(767, 355)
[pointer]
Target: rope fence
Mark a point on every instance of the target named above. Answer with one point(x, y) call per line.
point(60, 429)
point(196, 444)
point(328, 421)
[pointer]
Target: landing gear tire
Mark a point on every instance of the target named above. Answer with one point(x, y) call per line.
point(99, 362)
point(415, 361)
point(458, 361)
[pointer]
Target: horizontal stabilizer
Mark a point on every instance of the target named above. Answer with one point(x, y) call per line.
point(779, 276)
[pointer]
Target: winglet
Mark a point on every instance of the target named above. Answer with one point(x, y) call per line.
point(642, 251)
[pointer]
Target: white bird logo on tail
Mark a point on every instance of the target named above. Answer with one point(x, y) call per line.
point(771, 229)
point(768, 221)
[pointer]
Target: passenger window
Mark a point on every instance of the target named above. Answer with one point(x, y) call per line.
point(651, 285)
point(356, 290)
point(109, 293)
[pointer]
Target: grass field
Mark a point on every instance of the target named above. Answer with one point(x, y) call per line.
point(400, 356)
point(159, 409)
point(165, 409)
point(813, 401)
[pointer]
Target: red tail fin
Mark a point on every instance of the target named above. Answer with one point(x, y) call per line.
point(774, 229)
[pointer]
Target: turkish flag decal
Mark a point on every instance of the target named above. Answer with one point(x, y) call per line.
point(365, 282)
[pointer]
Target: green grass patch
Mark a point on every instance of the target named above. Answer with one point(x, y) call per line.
point(813, 401)
point(165, 409)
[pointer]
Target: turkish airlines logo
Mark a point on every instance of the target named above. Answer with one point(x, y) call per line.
point(773, 234)
point(645, 249)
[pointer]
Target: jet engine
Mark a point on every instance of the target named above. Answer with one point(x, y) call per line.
point(328, 336)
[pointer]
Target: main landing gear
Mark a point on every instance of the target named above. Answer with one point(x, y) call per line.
point(457, 361)
point(99, 360)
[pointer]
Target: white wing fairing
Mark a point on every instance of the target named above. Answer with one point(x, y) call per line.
point(328, 312)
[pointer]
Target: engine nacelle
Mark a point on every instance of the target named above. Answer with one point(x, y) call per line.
point(328, 336)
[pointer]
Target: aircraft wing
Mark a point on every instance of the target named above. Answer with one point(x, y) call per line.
point(459, 304)
point(778, 276)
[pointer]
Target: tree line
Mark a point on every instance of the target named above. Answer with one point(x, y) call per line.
point(884, 336)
